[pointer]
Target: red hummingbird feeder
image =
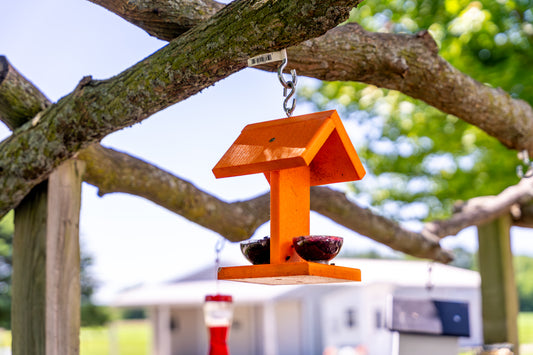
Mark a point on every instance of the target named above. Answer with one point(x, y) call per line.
point(218, 314)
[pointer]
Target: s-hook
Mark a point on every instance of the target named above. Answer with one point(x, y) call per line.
point(524, 157)
point(291, 84)
point(287, 85)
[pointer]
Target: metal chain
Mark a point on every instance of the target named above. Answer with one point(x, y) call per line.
point(288, 85)
point(218, 248)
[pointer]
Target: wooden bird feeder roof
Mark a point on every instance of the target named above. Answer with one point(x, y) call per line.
point(316, 140)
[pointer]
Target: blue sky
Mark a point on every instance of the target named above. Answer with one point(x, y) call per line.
point(54, 43)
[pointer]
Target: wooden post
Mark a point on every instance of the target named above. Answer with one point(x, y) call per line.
point(46, 266)
point(290, 200)
point(498, 287)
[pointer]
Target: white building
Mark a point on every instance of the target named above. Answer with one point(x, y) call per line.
point(304, 319)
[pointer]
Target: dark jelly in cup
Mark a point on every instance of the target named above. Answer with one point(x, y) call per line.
point(317, 248)
point(257, 251)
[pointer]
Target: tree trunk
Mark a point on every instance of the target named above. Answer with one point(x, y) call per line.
point(46, 266)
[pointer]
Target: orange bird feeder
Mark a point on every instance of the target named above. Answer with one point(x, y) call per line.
point(294, 154)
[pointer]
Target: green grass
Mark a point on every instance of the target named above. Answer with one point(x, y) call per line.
point(525, 327)
point(5, 338)
point(133, 339)
point(94, 341)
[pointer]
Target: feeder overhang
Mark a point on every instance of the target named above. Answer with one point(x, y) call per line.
point(318, 141)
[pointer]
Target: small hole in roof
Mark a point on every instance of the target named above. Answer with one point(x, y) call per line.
point(272, 139)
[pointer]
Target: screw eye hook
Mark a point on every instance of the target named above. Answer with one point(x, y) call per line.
point(524, 156)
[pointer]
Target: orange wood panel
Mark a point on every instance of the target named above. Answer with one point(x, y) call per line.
point(289, 212)
point(318, 140)
point(276, 145)
point(290, 273)
point(333, 164)
point(348, 146)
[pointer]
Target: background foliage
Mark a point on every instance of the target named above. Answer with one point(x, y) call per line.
point(6, 248)
point(417, 156)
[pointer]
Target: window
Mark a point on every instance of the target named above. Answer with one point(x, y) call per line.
point(378, 319)
point(351, 318)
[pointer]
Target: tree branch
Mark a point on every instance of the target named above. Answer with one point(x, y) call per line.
point(202, 56)
point(480, 210)
point(336, 206)
point(20, 100)
point(163, 19)
point(112, 171)
point(407, 63)
point(411, 65)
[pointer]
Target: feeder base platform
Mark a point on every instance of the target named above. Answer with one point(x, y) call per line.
point(290, 273)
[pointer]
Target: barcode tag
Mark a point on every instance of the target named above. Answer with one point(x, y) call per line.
point(267, 58)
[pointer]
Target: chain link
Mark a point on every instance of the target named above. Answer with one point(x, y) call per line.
point(288, 85)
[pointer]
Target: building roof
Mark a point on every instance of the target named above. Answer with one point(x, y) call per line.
point(316, 140)
point(189, 290)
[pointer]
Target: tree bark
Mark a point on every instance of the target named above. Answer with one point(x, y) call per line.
point(336, 206)
point(411, 65)
point(483, 209)
point(163, 19)
point(113, 171)
point(202, 56)
point(407, 63)
point(19, 99)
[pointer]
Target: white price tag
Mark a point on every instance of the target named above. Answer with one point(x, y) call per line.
point(267, 58)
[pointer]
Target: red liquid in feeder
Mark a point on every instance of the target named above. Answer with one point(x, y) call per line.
point(218, 337)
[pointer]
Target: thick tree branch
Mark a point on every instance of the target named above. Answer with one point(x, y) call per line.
point(409, 64)
point(199, 58)
point(20, 100)
point(480, 210)
point(163, 19)
point(336, 206)
point(112, 171)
